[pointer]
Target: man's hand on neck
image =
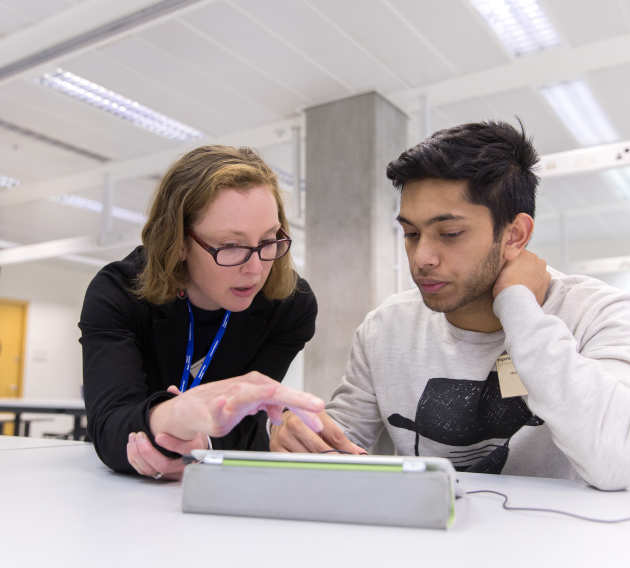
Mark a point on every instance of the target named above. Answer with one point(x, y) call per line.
point(526, 269)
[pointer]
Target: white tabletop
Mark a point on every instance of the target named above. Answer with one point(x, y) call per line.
point(22, 442)
point(37, 403)
point(62, 507)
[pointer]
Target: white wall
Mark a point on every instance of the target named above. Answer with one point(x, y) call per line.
point(54, 292)
point(295, 374)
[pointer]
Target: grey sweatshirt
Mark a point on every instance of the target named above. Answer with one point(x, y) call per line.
point(435, 387)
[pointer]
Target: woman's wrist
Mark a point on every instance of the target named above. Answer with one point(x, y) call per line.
point(163, 419)
point(156, 418)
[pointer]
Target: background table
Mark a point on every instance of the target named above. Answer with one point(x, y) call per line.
point(62, 507)
point(74, 407)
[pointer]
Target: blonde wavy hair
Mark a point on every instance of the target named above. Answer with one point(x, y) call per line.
point(184, 193)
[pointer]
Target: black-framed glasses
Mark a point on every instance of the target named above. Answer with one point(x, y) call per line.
point(233, 255)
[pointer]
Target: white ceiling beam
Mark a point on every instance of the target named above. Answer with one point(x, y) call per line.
point(583, 160)
point(567, 163)
point(534, 70)
point(61, 247)
point(154, 164)
point(63, 26)
point(571, 162)
point(68, 32)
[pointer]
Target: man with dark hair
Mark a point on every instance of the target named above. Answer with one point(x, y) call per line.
point(500, 364)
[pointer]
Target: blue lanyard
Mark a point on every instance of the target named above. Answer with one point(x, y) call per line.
point(191, 345)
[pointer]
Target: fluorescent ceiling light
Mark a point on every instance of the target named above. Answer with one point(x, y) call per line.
point(576, 106)
point(619, 180)
point(118, 105)
point(8, 182)
point(96, 206)
point(521, 25)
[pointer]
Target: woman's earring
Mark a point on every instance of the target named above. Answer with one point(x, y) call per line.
point(181, 294)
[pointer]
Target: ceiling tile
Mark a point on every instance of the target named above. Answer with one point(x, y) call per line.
point(378, 29)
point(16, 15)
point(247, 84)
point(457, 31)
point(325, 42)
point(265, 52)
point(580, 23)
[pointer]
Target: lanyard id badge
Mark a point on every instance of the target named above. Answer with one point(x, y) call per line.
point(191, 345)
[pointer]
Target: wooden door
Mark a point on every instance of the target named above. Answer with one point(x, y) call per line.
point(12, 333)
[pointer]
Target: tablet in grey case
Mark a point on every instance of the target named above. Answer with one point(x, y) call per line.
point(382, 490)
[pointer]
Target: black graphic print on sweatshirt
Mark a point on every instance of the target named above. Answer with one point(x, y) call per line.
point(464, 413)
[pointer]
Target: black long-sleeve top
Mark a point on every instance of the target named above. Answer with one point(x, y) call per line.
point(133, 350)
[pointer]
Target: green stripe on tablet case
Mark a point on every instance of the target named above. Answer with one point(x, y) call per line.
point(313, 465)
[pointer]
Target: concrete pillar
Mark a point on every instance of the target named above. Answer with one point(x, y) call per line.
point(350, 211)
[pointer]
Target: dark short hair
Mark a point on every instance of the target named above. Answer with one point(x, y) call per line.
point(493, 157)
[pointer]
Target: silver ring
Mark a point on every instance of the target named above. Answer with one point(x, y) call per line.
point(158, 475)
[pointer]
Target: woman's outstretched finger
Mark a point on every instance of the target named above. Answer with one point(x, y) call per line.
point(291, 398)
point(248, 397)
point(279, 394)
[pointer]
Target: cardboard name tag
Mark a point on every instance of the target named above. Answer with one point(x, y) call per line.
point(510, 383)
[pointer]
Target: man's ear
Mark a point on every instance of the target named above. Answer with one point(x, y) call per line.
point(516, 235)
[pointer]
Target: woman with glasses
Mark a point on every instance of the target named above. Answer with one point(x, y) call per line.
point(186, 339)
